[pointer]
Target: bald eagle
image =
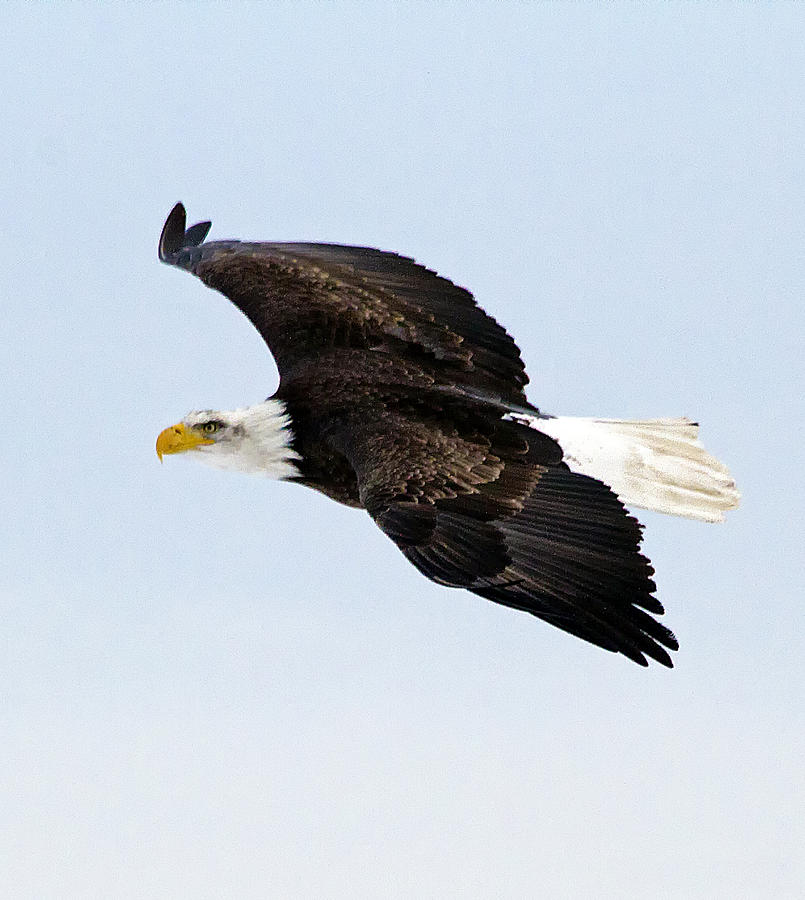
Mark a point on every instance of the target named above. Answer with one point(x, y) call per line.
point(400, 396)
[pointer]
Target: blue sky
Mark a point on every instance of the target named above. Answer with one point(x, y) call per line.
point(214, 685)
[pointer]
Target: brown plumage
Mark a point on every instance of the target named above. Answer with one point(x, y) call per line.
point(397, 386)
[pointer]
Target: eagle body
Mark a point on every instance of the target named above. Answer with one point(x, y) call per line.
point(400, 396)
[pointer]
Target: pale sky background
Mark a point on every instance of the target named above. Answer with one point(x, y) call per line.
point(215, 686)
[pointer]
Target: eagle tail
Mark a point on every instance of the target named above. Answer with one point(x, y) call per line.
point(654, 464)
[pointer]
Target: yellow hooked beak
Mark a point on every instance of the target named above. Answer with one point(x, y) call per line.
point(179, 438)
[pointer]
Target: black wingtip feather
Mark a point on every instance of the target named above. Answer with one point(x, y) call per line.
point(196, 233)
point(174, 237)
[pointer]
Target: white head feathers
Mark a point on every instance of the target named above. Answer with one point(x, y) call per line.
point(254, 439)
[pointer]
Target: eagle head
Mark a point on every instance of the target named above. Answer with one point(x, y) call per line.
point(256, 439)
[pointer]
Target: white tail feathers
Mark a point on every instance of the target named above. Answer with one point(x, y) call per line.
point(655, 464)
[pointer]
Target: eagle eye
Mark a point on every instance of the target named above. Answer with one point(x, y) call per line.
point(210, 427)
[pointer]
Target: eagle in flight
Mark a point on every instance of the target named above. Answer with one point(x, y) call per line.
point(400, 396)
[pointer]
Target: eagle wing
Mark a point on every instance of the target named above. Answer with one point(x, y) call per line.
point(499, 514)
point(306, 299)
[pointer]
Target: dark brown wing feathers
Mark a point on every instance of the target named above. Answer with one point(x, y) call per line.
point(308, 298)
point(504, 518)
point(397, 381)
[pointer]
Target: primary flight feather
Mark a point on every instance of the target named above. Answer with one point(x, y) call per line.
point(400, 396)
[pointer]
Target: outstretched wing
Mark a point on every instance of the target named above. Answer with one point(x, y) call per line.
point(500, 515)
point(306, 299)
